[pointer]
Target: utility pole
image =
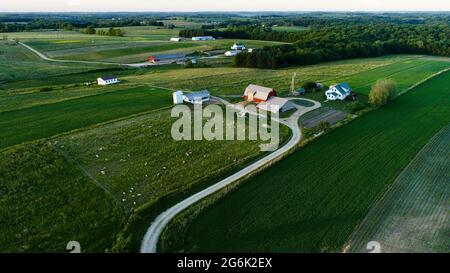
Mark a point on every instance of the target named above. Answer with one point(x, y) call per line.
point(293, 82)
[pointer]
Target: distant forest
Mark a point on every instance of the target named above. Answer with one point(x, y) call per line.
point(329, 42)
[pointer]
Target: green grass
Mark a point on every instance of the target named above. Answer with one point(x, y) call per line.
point(45, 120)
point(18, 63)
point(46, 201)
point(312, 200)
point(413, 215)
point(87, 185)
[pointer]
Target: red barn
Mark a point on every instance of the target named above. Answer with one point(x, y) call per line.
point(152, 59)
point(256, 93)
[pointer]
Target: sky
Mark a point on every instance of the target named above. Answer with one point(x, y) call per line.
point(221, 5)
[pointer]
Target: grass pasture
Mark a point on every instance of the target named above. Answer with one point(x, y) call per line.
point(413, 215)
point(46, 201)
point(45, 120)
point(87, 185)
point(314, 199)
point(18, 63)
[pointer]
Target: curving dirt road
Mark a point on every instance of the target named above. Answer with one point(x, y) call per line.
point(150, 242)
point(45, 58)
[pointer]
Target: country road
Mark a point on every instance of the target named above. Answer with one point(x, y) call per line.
point(45, 58)
point(150, 242)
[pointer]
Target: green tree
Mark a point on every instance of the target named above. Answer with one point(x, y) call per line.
point(89, 30)
point(382, 92)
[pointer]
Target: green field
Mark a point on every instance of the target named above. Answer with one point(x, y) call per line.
point(289, 28)
point(313, 200)
point(413, 215)
point(89, 185)
point(46, 201)
point(46, 120)
point(136, 46)
point(18, 63)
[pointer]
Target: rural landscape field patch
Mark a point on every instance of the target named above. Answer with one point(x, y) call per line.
point(312, 200)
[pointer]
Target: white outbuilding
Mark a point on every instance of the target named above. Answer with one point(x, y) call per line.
point(178, 97)
point(276, 105)
point(107, 80)
point(239, 47)
point(203, 38)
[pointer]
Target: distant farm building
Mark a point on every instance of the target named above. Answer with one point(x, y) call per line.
point(107, 80)
point(152, 59)
point(176, 39)
point(231, 53)
point(178, 97)
point(197, 97)
point(256, 93)
point(276, 105)
point(239, 47)
point(338, 92)
point(167, 58)
point(203, 38)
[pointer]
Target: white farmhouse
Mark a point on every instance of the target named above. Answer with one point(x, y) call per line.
point(203, 38)
point(107, 80)
point(239, 47)
point(338, 92)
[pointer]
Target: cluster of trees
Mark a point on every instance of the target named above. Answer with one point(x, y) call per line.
point(382, 92)
point(110, 32)
point(344, 42)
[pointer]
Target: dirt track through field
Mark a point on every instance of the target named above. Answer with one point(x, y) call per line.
point(150, 242)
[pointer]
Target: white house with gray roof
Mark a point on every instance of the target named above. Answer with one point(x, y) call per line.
point(107, 80)
point(338, 92)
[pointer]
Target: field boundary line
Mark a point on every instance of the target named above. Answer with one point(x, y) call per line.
point(91, 178)
point(423, 81)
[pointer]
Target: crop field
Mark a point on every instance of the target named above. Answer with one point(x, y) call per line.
point(45, 120)
point(136, 46)
point(18, 63)
point(232, 81)
point(108, 173)
point(413, 215)
point(314, 199)
point(140, 51)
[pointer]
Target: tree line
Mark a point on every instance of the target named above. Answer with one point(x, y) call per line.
point(110, 32)
point(339, 42)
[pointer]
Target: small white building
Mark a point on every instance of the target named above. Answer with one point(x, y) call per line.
point(107, 80)
point(231, 53)
point(276, 105)
point(178, 97)
point(197, 97)
point(338, 92)
point(240, 47)
point(203, 38)
point(176, 39)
